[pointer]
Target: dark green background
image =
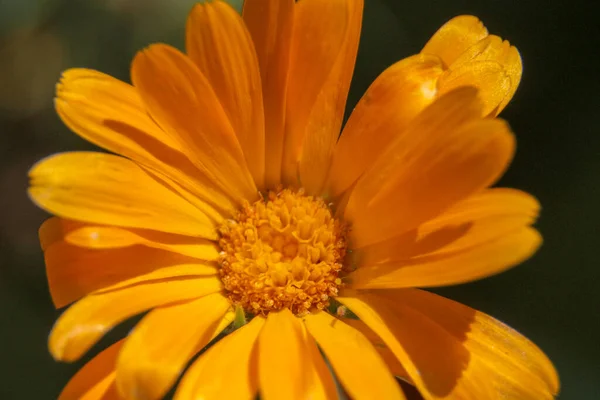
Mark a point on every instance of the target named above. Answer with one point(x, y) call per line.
point(553, 298)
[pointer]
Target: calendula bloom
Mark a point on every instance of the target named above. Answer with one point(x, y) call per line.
point(232, 207)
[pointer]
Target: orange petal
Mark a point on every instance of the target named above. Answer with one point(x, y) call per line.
point(84, 323)
point(107, 189)
point(164, 341)
point(218, 42)
point(493, 48)
point(483, 358)
point(270, 24)
point(325, 121)
point(228, 370)
point(393, 100)
point(96, 380)
point(484, 216)
point(281, 361)
point(111, 114)
point(489, 77)
point(180, 99)
point(446, 154)
point(74, 272)
point(386, 354)
point(320, 28)
point(462, 266)
point(111, 237)
point(454, 37)
point(356, 363)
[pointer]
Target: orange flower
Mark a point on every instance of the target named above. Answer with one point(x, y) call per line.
point(232, 208)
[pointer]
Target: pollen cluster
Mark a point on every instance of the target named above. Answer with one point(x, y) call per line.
point(284, 251)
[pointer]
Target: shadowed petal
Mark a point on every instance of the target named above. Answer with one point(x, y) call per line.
point(451, 268)
point(181, 100)
point(446, 154)
point(270, 23)
point(360, 369)
point(218, 42)
point(483, 358)
point(84, 323)
point(320, 28)
point(96, 379)
point(398, 95)
point(325, 121)
point(106, 189)
point(111, 114)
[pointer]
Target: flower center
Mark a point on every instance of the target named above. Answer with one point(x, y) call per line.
point(284, 251)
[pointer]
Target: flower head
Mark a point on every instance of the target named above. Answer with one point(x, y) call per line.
point(234, 214)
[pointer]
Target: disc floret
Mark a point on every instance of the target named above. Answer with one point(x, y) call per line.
point(284, 251)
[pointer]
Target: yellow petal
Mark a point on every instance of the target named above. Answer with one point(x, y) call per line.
point(74, 272)
point(325, 121)
point(320, 28)
point(96, 380)
point(270, 24)
point(493, 48)
point(483, 358)
point(446, 154)
point(386, 354)
point(84, 323)
point(356, 363)
point(218, 42)
point(164, 341)
point(484, 216)
point(228, 370)
point(321, 385)
point(111, 114)
point(461, 266)
point(489, 77)
point(391, 102)
point(454, 37)
point(180, 99)
point(111, 237)
point(281, 361)
point(107, 189)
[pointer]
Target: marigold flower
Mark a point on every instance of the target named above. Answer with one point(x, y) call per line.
point(232, 207)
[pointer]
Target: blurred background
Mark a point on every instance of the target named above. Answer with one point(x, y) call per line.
point(553, 298)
